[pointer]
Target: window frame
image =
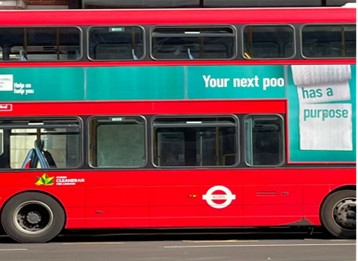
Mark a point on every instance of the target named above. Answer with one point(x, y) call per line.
point(193, 27)
point(242, 43)
point(88, 36)
point(304, 57)
point(19, 123)
point(246, 138)
point(90, 150)
point(80, 43)
point(235, 124)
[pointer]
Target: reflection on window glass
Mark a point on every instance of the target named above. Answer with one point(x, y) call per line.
point(40, 44)
point(53, 143)
point(329, 41)
point(117, 142)
point(264, 140)
point(195, 142)
point(116, 43)
point(193, 43)
point(268, 41)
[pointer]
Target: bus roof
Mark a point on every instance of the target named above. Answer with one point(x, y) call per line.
point(177, 16)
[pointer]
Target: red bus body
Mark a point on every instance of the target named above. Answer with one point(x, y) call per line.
point(288, 195)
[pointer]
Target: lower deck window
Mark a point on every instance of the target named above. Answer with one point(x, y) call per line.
point(264, 140)
point(195, 142)
point(117, 142)
point(40, 143)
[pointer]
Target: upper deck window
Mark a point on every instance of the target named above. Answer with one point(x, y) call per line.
point(193, 43)
point(116, 43)
point(268, 41)
point(329, 41)
point(40, 44)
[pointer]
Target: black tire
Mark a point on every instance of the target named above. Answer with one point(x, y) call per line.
point(32, 217)
point(338, 214)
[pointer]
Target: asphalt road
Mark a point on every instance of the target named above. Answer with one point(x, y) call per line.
point(179, 247)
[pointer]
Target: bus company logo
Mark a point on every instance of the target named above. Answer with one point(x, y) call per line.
point(219, 197)
point(44, 180)
point(66, 181)
point(5, 107)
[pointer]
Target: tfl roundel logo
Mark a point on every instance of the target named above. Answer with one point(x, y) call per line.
point(219, 197)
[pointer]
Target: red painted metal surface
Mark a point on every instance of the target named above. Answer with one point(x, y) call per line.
point(176, 198)
point(141, 107)
point(177, 16)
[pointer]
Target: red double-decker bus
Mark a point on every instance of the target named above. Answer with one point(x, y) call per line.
point(185, 118)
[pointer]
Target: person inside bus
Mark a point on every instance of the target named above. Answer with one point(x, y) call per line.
point(23, 55)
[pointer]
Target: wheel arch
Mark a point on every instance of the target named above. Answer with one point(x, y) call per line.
point(346, 187)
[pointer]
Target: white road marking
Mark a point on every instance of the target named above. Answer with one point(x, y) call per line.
point(221, 241)
point(260, 245)
point(13, 249)
point(94, 243)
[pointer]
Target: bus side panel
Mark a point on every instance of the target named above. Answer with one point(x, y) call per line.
point(254, 197)
point(186, 198)
point(117, 198)
point(71, 196)
point(186, 205)
point(226, 198)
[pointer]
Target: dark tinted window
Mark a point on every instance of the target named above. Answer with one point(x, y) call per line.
point(264, 140)
point(195, 142)
point(116, 43)
point(268, 41)
point(193, 43)
point(40, 44)
point(329, 41)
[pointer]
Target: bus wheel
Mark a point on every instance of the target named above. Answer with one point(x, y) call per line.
point(338, 214)
point(32, 217)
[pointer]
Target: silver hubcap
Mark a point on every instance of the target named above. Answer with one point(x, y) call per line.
point(33, 217)
point(344, 213)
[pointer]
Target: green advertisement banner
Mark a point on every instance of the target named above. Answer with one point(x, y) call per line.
point(142, 83)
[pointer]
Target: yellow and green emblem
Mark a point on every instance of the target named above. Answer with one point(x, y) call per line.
point(44, 180)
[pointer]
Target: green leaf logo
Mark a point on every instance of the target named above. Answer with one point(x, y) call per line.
point(44, 180)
